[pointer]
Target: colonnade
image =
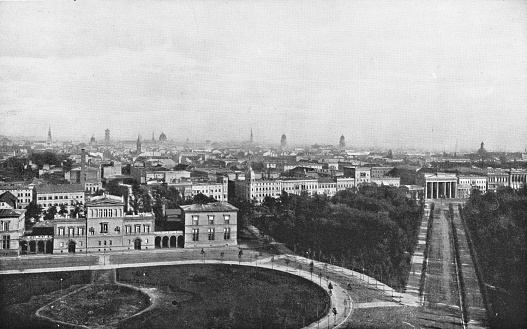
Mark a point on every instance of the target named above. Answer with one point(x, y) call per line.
point(440, 190)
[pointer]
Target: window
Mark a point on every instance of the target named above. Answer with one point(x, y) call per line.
point(5, 226)
point(226, 233)
point(61, 231)
point(211, 234)
point(137, 228)
point(99, 243)
point(146, 228)
point(6, 242)
point(104, 227)
point(227, 218)
point(71, 231)
point(195, 234)
point(105, 242)
point(211, 219)
point(62, 244)
point(128, 229)
point(195, 219)
point(110, 242)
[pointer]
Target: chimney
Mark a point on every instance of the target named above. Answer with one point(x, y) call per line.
point(83, 169)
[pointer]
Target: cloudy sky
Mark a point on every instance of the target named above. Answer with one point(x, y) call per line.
point(383, 73)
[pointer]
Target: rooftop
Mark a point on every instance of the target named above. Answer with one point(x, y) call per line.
point(10, 213)
point(62, 188)
point(209, 207)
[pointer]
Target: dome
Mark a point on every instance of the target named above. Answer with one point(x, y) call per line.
point(162, 137)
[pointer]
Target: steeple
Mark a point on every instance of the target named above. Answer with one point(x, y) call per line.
point(49, 136)
point(342, 142)
point(138, 144)
point(252, 135)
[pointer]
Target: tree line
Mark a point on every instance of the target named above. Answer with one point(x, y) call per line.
point(373, 229)
point(497, 224)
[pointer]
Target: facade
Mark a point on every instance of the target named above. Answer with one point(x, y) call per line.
point(24, 194)
point(105, 228)
point(380, 172)
point(467, 183)
point(12, 224)
point(518, 178)
point(362, 175)
point(56, 195)
point(497, 178)
point(210, 225)
point(439, 185)
point(253, 188)
point(387, 181)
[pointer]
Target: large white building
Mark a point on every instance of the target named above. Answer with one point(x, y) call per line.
point(57, 195)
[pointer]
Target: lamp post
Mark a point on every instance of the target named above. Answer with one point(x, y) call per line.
point(61, 286)
point(144, 279)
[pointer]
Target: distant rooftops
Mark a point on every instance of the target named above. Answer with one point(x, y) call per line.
point(209, 207)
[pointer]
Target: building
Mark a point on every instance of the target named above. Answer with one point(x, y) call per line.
point(497, 178)
point(439, 185)
point(210, 225)
point(387, 181)
point(362, 175)
point(283, 142)
point(12, 224)
point(105, 228)
point(138, 145)
point(107, 136)
point(518, 178)
point(8, 201)
point(379, 172)
point(467, 183)
point(57, 195)
point(342, 142)
point(24, 194)
point(162, 137)
point(49, 141)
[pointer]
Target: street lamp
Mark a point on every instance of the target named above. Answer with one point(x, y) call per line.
point(144, 279)
point(61, 286)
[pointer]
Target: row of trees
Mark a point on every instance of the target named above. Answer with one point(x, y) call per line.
point(497, 223)
point(374, 228)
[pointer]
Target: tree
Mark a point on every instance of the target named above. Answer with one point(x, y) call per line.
point(50, 213)
point(33, 211)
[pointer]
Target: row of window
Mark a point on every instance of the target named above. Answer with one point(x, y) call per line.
point(211, 234)
point(106, 213)
point(73, 231)
point(56, 204)
point(210, 219)
point(60, 197)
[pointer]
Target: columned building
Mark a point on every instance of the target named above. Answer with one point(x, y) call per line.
point(439, 186)
point(518, 178)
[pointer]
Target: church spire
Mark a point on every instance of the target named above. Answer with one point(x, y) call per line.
point(49, 136)
point(252, 135)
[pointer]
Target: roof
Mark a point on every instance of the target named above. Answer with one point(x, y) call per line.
point(105, 200)
point(10, 213)
point(209, 207)
point(63, 188)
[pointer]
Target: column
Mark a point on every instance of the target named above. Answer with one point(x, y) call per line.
point(426, 190)
point(454, 190)
point(447, 190)
point(437, 190)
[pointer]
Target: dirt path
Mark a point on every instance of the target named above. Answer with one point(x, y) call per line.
point(441, 287)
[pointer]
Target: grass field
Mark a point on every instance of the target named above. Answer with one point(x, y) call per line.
point(187, 296)
point(226, 296)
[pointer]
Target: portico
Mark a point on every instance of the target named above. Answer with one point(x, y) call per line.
point(440, 186)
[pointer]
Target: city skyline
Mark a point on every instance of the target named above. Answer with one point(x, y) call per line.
point(383, 74)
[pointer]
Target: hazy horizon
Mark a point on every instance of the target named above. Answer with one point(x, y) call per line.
point(387, 74)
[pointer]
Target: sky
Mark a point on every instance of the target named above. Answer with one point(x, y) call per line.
point(393, 74)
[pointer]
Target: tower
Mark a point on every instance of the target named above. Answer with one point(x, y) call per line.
point(283, 141)
point(138, 144)
point(107, 136)
point(251, 136)
point(342, 142)
point(50, 141)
